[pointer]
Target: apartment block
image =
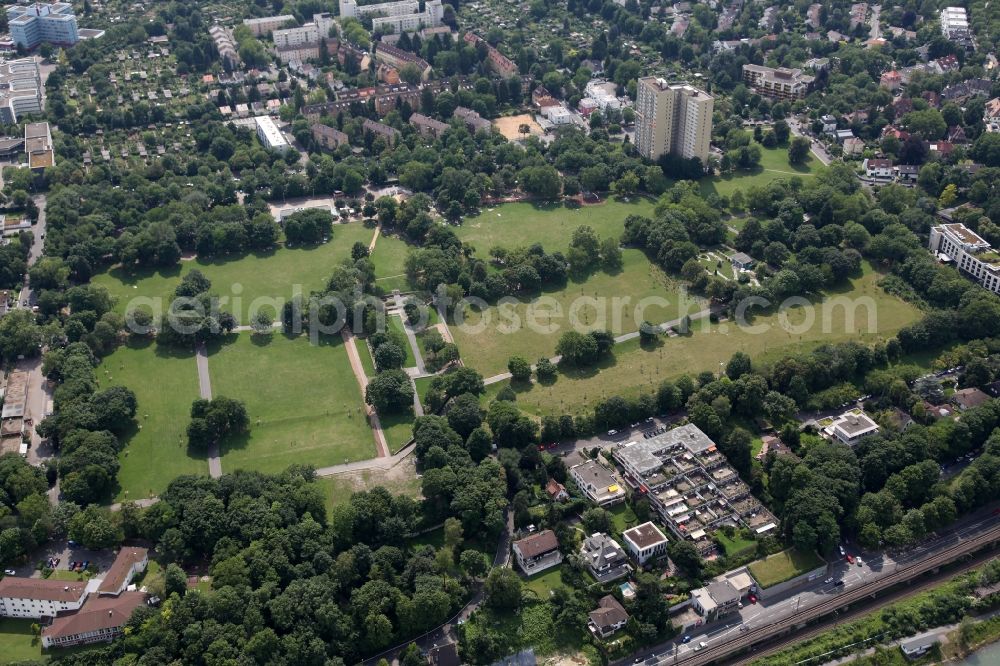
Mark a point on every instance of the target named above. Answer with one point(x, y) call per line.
point(351, 9)
point(672, 118)
point(971, 254)
point(270, 135)
point(691, 485)
point(260, 27)
point(21, 89)
point(37, 23)
point(778, 83)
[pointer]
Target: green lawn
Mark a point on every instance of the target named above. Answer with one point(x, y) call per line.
point(603, 300)
point(272, 275)
point(18, 643)
point(783, 566)
point(423, 385)
point(773, 165)
point(544, 583)
point(165, 383)
point(633, 368)
point(622, 517)
point(366, 356)
point(389, 258)
point(735, 545)
point(522, 224)
point(395, 325)
point(715, 265)
point(398, 429)
point(304, 402)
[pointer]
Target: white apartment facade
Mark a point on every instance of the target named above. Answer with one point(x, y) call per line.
point(38, 597)
point(970, 253)
point(351, 9)
point(310, 33)
point(261, 26)
point(672, 118)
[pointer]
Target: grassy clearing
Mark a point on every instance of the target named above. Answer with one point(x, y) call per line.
point(18, 643)
point(773, 165)
point(634, 368)
point(366, 356)
point(165, 383)
point(783, 566)
point(262, 275)
point(389, 258)
point(423, 385)
point(532, 627)
point(622, 517)
point(520, 328)
point(398, 429)
point(522, 224)
point(401, 480)
point(304, 402)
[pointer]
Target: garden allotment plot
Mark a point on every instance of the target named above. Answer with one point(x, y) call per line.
point(304, 403)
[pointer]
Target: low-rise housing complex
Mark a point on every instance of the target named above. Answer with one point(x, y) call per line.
point(473, 121)
point(399, 58)
point(329, 138)
point(778, 83)
point(691, 486)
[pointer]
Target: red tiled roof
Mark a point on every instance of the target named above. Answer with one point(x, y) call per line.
point(12, 587)
point(95, 614)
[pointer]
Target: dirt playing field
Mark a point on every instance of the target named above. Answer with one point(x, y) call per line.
point(510, 125)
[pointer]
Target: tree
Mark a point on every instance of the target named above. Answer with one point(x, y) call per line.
point(465, 415)
point(95, 529)
point(685, 556)
point(611, 254)
point(798, 150)
point(503, 589)
point(577, 348)
point(545, 370)
point(214, 420)
point(520, 369)
point(473, 563)
point(390, 391)
point(739, 365)
point(389, 356)
point(542, 181)
point(174, 580)
point(262, 323)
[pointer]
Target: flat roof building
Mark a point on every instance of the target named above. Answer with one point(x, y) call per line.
point(672, 118)
point(260, 27)
point(971, 254)
point(21, 89)
point(779, 83)
point(597, 482)
point(37, 23)
point(851, 427)
point(270, 135)
point(645, 542)
point(38, 146)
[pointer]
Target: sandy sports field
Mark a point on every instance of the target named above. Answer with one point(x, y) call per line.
point(509, 125)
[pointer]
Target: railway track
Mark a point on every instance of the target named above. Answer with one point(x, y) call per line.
point(901, 574)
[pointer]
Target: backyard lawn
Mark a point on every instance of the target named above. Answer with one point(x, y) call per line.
point(274, 275)
point(783, 566)
point(617, 296)
point(736, 544)
point(544, 583)
point(522, 224)
point(165, 383)
point(633, 368)
point(304, 402)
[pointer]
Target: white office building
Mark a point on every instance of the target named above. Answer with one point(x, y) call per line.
point(971, 254)
point(34, 24)
point(270, 135)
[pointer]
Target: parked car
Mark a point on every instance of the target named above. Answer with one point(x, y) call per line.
point(850, 559)
point(842, 551)
point(752, 598)
point(828, 581)
point(9, 572)
point(839, 583)
point(860, 563)
point(686, 639)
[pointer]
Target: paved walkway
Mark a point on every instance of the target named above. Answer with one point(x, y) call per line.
point(381, 446)
point(378, 230)
point(410, 335)
point(664, 327)
point(205, 390)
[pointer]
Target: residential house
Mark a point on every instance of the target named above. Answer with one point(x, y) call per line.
point(878, 168)
point(537, 552)
point(829, 123)
point(597, 483)
point(605, 559)
point(851, 427)
point(842, 135)
point(645, 542)
point(991, 112)
point(715, 600)
point(609, 617)
point(917, 646)
point(968, 398)
point(907, 173)
point(956, 135)
point(891, 80)
point(853, 146)
point(556, 491)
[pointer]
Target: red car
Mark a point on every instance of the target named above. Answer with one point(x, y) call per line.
point(850, 559)
point(752, 598)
